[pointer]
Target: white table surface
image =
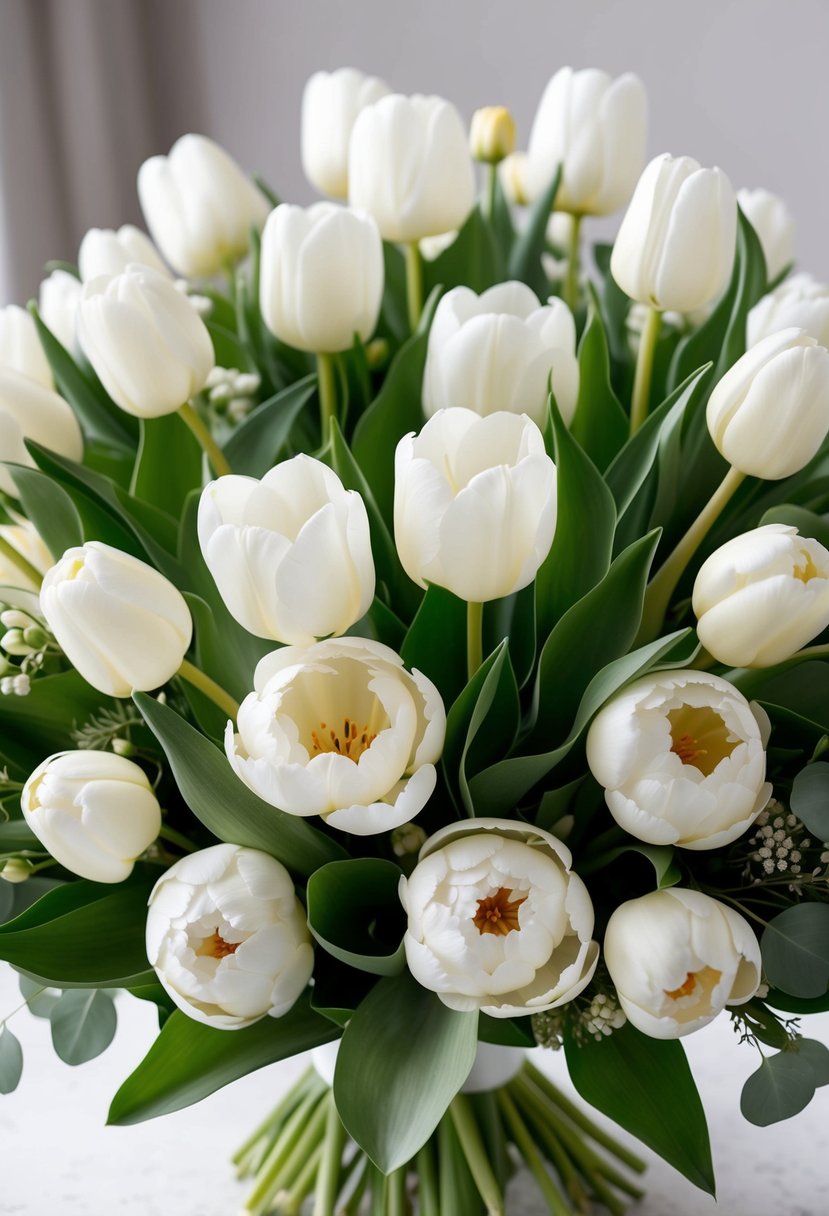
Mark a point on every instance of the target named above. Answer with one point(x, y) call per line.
point(58, 1157)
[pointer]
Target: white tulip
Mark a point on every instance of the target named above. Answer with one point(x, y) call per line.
point(105, 251)
point(123, 625)
point(409, 166)
point(496, 919)
point(762, 596)
point(772, 221)
point(342, 730)
point(145, 340)
point(228, 938)
point(492, 134)
point(331, 102)
point(675, 247)
point(321, 277)
point(20, 348)
point(474, 503)
point(290, 554)
point(681, 756)
point(512, 174)
point(498, 350)
point(595, 128)
point(199, 206)
point(677, 958)
point(30, 411)
point(801, 302)
point(769, 413)
point(58, 301)
point(25, 540)
point(94, 811)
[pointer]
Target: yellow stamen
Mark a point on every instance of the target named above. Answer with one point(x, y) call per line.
point(707, 976)
point(351, 741)
point(700, 737)
point(215, 946)
point(498, 913)
point(808, 570)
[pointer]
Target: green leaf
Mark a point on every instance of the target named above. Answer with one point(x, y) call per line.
point(599, 424)
point(810, 798)
point(42, 722)
point(481, 724)
point(403, 1057)
point(796, 1004)
point(431, 645)
point(781, 1087)
point(795, 949)
point(188, 1061)
point(220, 800)
point(354, 912)
point(168, 464)
point(661, 857)
point(472, 260)
point(817, 1056)
point(11, 1061)
point(506, 1032)
point(254, 446)
point(40, 1000)
point(806, 522)
point(646, 1086)
point(525, 259)
point(50, 509)
point(83, 1024)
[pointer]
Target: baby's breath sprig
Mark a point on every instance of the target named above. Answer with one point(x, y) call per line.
point(594, 1014)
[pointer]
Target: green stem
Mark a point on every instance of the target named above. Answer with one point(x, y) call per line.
point(427, 1181)
point(304, 1184)
point(663, 584)
point(206, 441)
point(538, 1118)
point(327, 385)
point(414, 283)
point(396, 1192)
point(474, 637)
point(570, 290)
point(270, 1174)
point(491, 191)
point(276, 1116)
point(475, 1153)
point(526, 1146)
point(355, 1200)
point(168, 833)
point(209, 687)
point(328, 1181)
point(19, 561)
point(644, 369)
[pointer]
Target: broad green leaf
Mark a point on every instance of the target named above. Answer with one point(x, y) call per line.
point(816, 1054)
point(432, 643)
point(646, 1086)
point(795, 948)
point(83, 1024)
point(781, 1087)
point(254, 446)
point(795, 1004)
point(456, 1186)
point(525, 259)
point(50, 509)
point(806, 522)
point(810, 798)
point(394, 317)
point(661, 857)
point(472, 260)
point(514, 618)
point(506, 1032)
point(42, 722)
point(220, 800)
point(188, 1060)
point(403, 1057)
point(11, 1061)
point(354, 912)
point(803, 689)
point(494, 714)
point(168, 464)
point(615, 308)
point(599, 425)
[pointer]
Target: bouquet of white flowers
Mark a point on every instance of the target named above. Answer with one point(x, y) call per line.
point(414, 648)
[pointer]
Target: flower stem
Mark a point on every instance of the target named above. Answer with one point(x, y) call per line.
point(491, 191)
point(663, 584)
point(570, 290)
point(475, 1153)
point(327, 386)
point(276, 1117)
point(328, 1180)
point(19, 561)
point(524, 1142)
point(414, 283)
point(209, 687)
point(474, 637)
point(396, 1193)
point(644, 369)
point(427, 1181)
point(167, 833)
point(206, 441)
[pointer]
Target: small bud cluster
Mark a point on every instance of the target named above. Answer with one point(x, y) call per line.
point(24, 643)
point(780, 846)
point(231, 393)
point(594, 1014)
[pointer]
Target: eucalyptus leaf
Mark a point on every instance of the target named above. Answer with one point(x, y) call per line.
point(83, 1024)
point(354, 912)
point(795, 949)
point(810, 798)
point(40, 998)
point(781, 1087)
point(816, 1054)
point(11, 1061)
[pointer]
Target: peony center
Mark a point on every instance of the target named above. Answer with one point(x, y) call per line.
point(700, 737)
point(498, 913)
point(215, 946)
point(349, 739)
point(705, 978)
point(808, 570)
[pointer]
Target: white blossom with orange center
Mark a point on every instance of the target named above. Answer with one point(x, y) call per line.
point(497, 920)
point(227, 936)
point(677, 958)
point(681, 755)
point(340, 729)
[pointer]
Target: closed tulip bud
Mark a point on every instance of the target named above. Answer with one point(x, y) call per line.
point(497, 920)
point(331, 102)
point(105, 251)
point(20, 348)
point(772, 221)
point(123, 625)
point(677, 958)
point(498, 350)
point(769, 413)
point(58, 301)
point(762, 596)
point(26, 541)
point(512, 174)
point(228, 938)
point(492, 134)
point(321, 277)
point(595, 128)
point(290, 554)
point(95, 812)
point(409, 167)
point(148, 345)
point(682, 759)
point(474, 503)
point(800, 302)
point(16, 869)
point(30, 411)
point(675, 247)
point(199, 206)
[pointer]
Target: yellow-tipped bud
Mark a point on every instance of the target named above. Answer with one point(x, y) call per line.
point(492, 134)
